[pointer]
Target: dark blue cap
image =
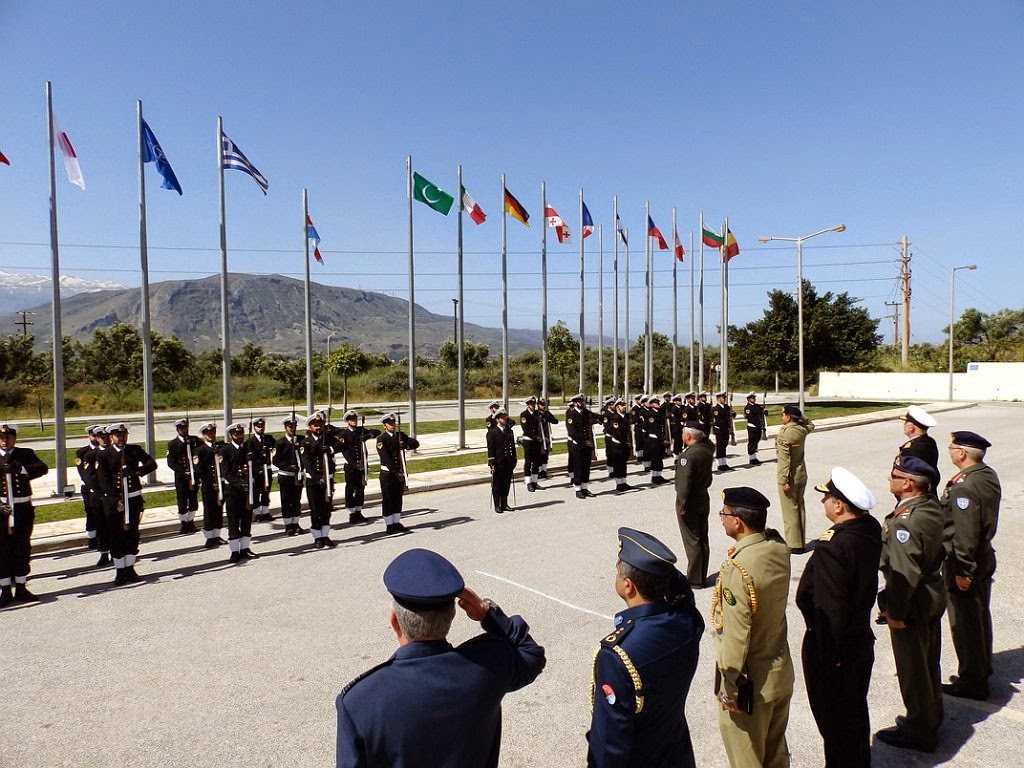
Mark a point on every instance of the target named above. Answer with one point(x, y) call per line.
point(420, 579)
point(970, 440)
point(750, 498)
point(645, 553)
point(915, 465)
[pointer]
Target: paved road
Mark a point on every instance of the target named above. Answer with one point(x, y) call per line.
point(209, 664)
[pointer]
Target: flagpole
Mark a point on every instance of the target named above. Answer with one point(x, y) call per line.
point(504, 298)
point(647, 299)
point(583, 344)
point(309, 305)
point(700, 296)
point(544, 292)
point(460, 342)
point(225, 333)
point(147, 342)
point(60, 441)
point(691, 311)
point(615, 297)
point(412, 306)
point(625, 352)
point(675, 299)
point(725, 307)
point(600, 314)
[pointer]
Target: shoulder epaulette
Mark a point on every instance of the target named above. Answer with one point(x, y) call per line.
point(612, 642)
point(827, 535)
point(366, 674)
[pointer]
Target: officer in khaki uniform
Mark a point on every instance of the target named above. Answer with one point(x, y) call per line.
point(913, 600)
point(792, 476)
point(971, 503)
point(693, 505)
point(754, 672)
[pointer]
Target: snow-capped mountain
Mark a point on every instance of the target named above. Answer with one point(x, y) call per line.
point(20, 291)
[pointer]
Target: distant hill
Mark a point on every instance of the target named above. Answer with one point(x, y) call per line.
point(270, 311)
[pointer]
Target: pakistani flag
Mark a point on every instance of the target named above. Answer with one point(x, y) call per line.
point(431, 194)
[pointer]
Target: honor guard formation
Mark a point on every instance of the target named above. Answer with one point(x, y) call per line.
point(932, 553)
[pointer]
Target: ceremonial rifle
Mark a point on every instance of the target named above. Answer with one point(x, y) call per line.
point(401, 447)
point(188, 455)
point(362, 448)
point(8, 500)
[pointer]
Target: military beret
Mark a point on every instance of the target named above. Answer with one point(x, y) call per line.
point(89, 430)
point(289, 420)
point(7, 427)
point(351, 414)
point(208, 427)
point(793, 410)
point(915, 465)
point(919, 416)
point(315, 416)
point(118, 427)
point(530, 399)
point(237, 427)
point(744, 496)
point(845, 486)
point(644, 552)
point(181, 423)
point(969, 440)
point(390, 418)
point(420, 579)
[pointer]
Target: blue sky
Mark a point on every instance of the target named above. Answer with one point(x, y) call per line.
point(787, 117)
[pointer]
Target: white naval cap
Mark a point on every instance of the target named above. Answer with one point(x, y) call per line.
point(118, 427)
point(236, 427)
point(845, 486)
point(208, 427)
point(918, 415)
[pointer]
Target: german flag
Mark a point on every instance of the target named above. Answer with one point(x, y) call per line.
point(515, 209)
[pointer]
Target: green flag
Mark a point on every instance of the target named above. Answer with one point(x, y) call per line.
point(431, 194)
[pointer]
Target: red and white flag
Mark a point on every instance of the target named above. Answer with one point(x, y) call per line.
point(679, 246)
point(61, 139)
point(469, 205)
point(558, 223)
point(4, 160)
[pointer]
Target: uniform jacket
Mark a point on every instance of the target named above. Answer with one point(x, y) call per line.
point(235, 465)
point(350, 444)
point(924, 447)
point(317, 456)
point(287, 459)
point(722, 416)
point(655, 427)
point(971, 503)
point(389, 450)
point(789, 446)
point(838, 588)
point(530, 422)
point(178, 454)
point(432, 705)
point(501, 446)
point(660, 642)
point(693, 478)
point(912, 555)
point(578, 426)
point(206, 453)
point(754, 414)
point(85, 462)
point(130, 461)
point(28, 467)
point(547, 418)
point(751, 642)
point(704, 413)
point(261, 448)
point(616, 432)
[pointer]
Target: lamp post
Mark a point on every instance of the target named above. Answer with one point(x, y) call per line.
point(952, 287)
point(330, 402)
point(800, 295)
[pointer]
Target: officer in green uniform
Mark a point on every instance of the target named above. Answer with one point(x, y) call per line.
point(971, 502)
point(913, 600)
point(693, 505)
point(754, 672)
point(792, 475)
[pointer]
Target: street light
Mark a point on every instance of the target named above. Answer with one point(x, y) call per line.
point(800, 295)
point(952, 286)
point(330, 402)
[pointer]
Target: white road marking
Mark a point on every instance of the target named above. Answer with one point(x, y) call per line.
point(549, 597)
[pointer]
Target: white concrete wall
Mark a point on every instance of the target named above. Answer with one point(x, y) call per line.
point(983, 381)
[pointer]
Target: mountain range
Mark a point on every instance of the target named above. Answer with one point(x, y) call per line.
point(268, 310)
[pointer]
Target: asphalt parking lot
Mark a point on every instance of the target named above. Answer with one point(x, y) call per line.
point(211, 664)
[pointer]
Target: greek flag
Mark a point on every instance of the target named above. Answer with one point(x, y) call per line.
point(231, 157)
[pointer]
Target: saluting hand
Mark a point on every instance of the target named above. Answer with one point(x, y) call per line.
point(474, 607)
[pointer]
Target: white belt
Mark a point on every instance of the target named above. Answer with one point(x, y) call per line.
point(285, 473)
point(135, 494)
point(19, 500)
point(618, 442)
point(526, 437)
point(384, 469)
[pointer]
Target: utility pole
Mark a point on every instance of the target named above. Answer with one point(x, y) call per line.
point(895, 321)
point(905, 285)
point(24, 322)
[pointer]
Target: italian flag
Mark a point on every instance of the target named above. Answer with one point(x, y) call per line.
point(470, 206)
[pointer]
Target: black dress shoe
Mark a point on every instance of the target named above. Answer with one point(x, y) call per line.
point(236, 557)
point(299, 529)
point(580, 495)
point(120, 577)
point(754, 462)
point(104, 560)
point(531, 487)
point(542, 475)
point(212, 543)
point(6, 597)
point(589, 494)
point(658, 480)
point(92, 543)
point(329, 543)
point(319, 543)
point(356, 517)
point(130, 576)
point(960, 692)
point(896, 737)
point(248, 554)
point(221, 541)
point(290, 529)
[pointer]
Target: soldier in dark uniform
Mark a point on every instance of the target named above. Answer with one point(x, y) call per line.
point(351, 444)
point(579, 422)
point(913, 600)
point(501, 460)
point(676, 422)
point(391, 447)
point(18, 468)
point(492, 408)
point(608, 406)
point(433, 704)
point(643, 669)
point(618, 443)
point(261, 447)
point(530, 421)
point(237, 475)
point(288, 462)
point(318, 465)
point(693, 505)
point(637, 418)
point(689, 408)
point(704, 412)
point(210, 485)
point(86, 473)
point(181, 459)
point(654, 440)
point(835, 596)
point(757, 427)
point(971, 502)
point(722, 416)
point(916, 423)
point(119, 472)
point(547, 418)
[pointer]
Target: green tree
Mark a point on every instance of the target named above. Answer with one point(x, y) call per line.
point(248, 362)
point(113, 358)
point(291, 373)
point(346, 360)
point(563, 352)
point(174, 365)
point(474, 355)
